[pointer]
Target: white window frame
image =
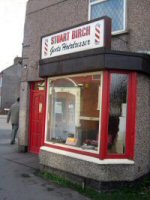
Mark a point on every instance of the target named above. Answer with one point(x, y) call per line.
point(125, 15)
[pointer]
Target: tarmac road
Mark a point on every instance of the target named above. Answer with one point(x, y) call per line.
point(18, 180)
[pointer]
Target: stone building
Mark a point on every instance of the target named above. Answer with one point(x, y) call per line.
point(85, 110)
point(10, 84)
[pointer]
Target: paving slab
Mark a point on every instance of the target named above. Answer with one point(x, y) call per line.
point(18, 177)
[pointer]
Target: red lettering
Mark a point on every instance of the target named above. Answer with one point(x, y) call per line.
point(88, 30)
point(52, 40)
point(60, 38)
point(81, 32)
point(84, 32)
point(73, 35)
point(67, 37)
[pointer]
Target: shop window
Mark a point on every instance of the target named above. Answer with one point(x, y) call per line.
point(92, 114)
point(115, 9)
point(117, 113)
point(74, 109)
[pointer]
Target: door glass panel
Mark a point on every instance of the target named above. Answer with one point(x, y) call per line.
point(118, 113)
point(39, 86)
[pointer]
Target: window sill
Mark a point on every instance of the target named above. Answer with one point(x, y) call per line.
point(88, 158)
point(119, 33)
point(72, 147)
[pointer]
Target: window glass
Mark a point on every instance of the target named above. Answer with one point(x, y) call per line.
point(117, 114)
point(39, 86)
point(93, 1)
point(115, 9)
point(73, 111)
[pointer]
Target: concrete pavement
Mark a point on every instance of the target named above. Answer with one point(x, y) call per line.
point(18, 178)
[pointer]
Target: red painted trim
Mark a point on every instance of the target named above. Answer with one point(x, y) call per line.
point(43, 136)
point(56, 146)
point(131, 117)
point(32, 92)
point(104, 120)
point(72, 150)
point(131, 120)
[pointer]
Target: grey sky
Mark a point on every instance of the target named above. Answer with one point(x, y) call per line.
point(12, 16)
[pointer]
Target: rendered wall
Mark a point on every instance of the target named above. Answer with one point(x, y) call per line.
point(86, 169)
point(10, 89)
point(23, 116)
point(113, 172)
point(142, 142)
point(46, 17)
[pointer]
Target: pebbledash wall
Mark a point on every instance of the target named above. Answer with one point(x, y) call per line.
point(49, 16)
point(10, 84)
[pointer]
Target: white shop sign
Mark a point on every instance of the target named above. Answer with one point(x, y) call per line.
point(81, 38)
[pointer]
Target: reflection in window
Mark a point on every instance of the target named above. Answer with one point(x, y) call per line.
point(118, 114)
point(73, 111)
point(115, 9)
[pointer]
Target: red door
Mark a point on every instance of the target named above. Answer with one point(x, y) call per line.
point(37, 117)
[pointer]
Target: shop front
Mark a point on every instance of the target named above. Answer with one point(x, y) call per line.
point(87, 113)
point(94, 100)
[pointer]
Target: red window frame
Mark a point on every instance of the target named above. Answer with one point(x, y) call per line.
point(67, 149)
point(131, 121)
point(131, 116)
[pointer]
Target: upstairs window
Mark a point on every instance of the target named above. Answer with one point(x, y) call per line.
point(115, 9)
